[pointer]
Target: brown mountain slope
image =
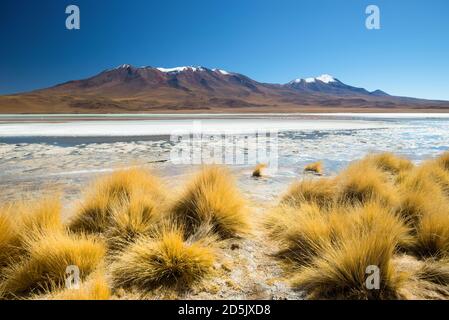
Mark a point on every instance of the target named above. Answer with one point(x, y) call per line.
point(127, 89)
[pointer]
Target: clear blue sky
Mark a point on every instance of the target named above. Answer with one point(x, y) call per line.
point(268, 40)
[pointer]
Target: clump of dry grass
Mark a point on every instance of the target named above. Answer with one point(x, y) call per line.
point(435, 271)
point(389, 162)
point(361, 183)
point(425, 208)
point(358, 238)
point(379, 219)
point(330, 231)
point(39, 217)
point(443, 161)
point(417, 202)
point(432, 236)
point(46, 259)
point(308, 232)
point(22, 221)
point(341, 270)
point(318, 191)
point(8, 236)
point(316, 168)
point(301, 232)
point(257, 172)
point(132, 218)
point(211, 198)
point(115, 190)
point(431, 172)
point(166, 260)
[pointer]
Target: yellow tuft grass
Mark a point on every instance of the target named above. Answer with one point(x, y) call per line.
point(8, 236)
point(111, 191)
point(435, 271)
point(39, 217)
point(443, 161)
point(316, 168)
point(329, 233)
point(301, 232)
point(163, 261)
point(424, 205)
point(380, 220)
point(361, 183)
point(131, 218)
point(341, 270)
point(257, 172)
point(388, 162)
point(22, 221)
point(318, 191)
point(432, 236)
point(431, 172)
point(211, 198)
point(46, 260)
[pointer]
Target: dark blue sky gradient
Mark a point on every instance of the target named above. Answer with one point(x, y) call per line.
point(268, 40)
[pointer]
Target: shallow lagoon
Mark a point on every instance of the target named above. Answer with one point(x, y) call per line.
point(68, 151)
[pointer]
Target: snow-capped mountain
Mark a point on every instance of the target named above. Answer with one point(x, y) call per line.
point(130, 80)
point(127, 88)
point(328, 84)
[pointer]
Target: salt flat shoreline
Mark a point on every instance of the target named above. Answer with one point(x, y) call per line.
point(37, 150)
point(237, 115)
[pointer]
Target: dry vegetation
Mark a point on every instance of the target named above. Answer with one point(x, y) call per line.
point(130, 236)
point(163, 260)
point(126, 234)
point(258, 170)
point(211, 199)
point(380, 211)
point(315, 168)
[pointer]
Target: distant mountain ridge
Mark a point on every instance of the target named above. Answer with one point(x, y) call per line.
point(129, 89)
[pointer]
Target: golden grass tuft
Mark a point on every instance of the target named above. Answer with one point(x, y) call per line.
point(379, 219)
point(22, 221)
point(112, 191)
point(318, 191)
point(432, 236)
point(341, 270)
point(361, 183)
point(257, 172)
point(388, 162)
point(166, 260)
point(8, 236)
point(211, 198)
point(330, 231)
point(435, 271)
point(443, 161)
point(316, 168)
point(48, 255)
point(431, 172)
point(132, 218)
point(39, 217)
point(301, 232)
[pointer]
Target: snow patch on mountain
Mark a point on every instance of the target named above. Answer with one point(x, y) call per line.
point(180, 69)
point(224, 72)
point(325, 78)
point(123, 66)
